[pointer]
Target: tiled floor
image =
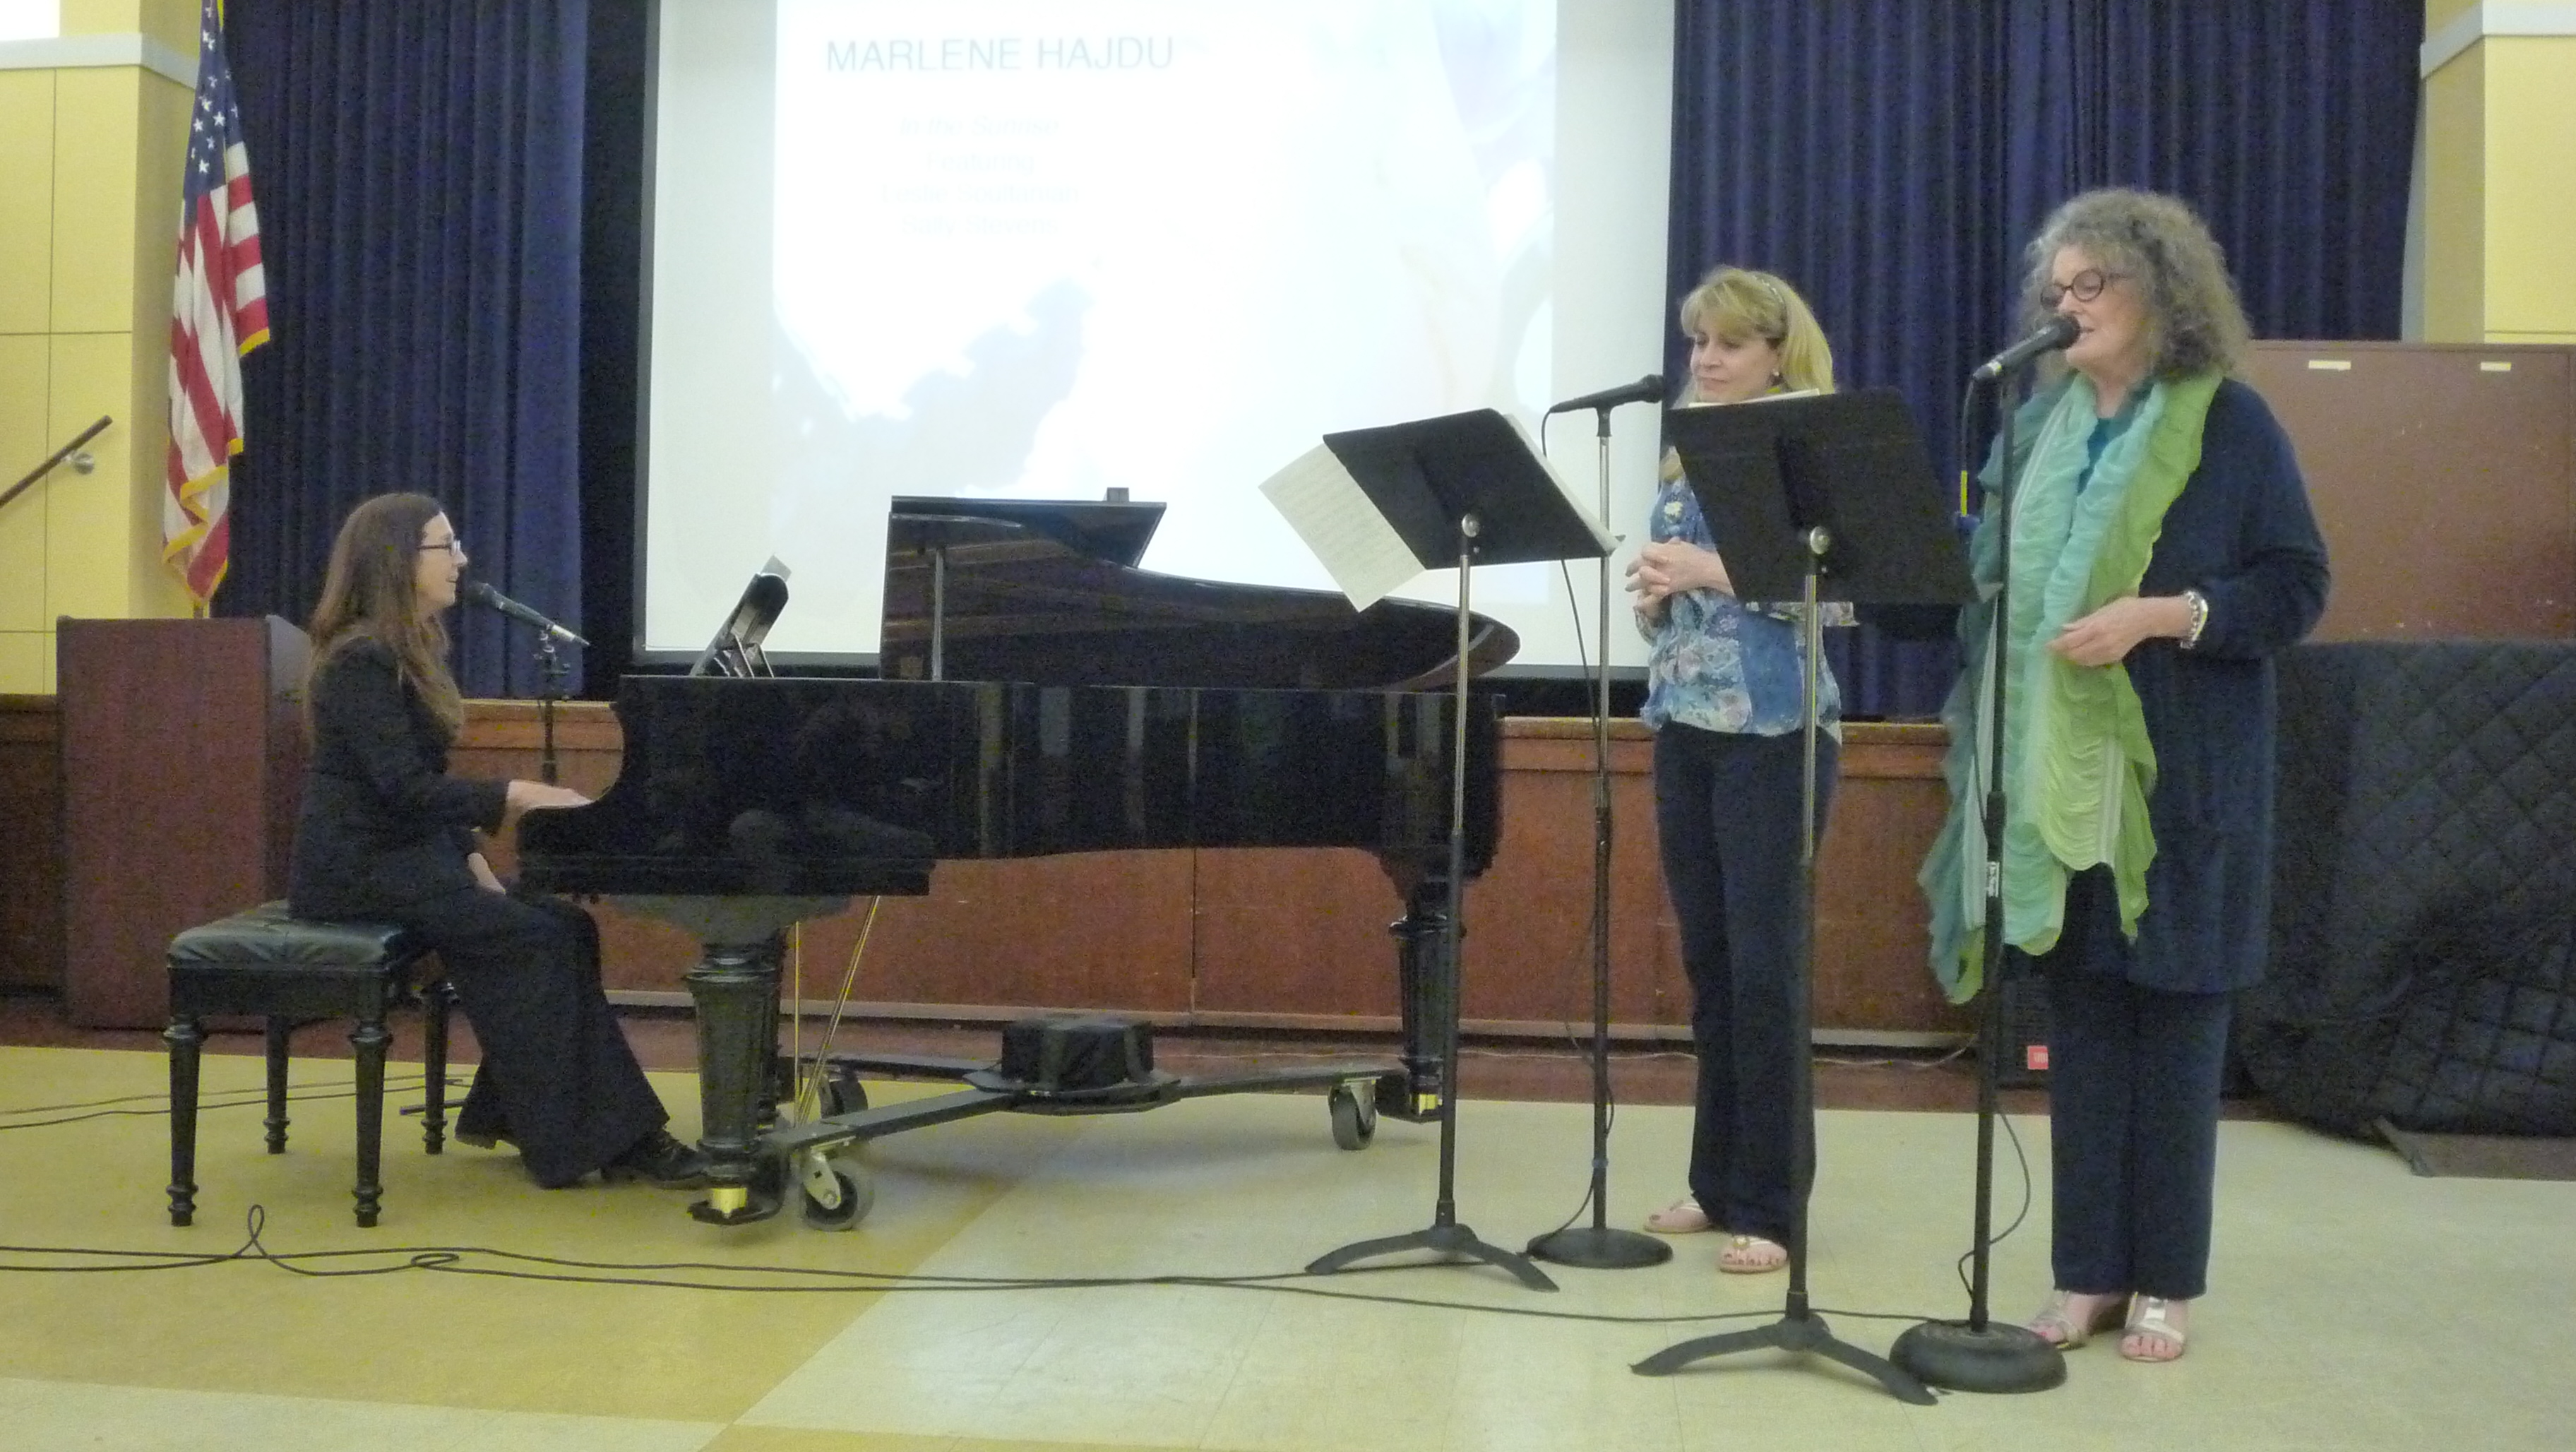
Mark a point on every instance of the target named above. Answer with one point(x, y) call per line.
point(2356, 1306)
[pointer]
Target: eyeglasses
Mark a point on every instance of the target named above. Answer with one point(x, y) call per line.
point(2084, 286)
point(451, 544)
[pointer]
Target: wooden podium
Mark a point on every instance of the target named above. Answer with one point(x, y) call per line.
point(183, 762)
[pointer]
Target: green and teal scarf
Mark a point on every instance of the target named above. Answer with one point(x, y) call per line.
point(2077, 765)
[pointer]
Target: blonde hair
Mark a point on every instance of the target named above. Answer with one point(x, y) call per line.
point(371, 592)
point(1736, 305)
point(2193, 322)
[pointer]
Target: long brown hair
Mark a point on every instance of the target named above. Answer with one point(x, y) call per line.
point(369, 593)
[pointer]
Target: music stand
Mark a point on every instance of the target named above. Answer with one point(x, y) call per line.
point(735, 650)
point(1824, 496)
point(1461, 489)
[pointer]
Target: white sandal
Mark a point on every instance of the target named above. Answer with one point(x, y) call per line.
point(1752, 1255)
point(2151, 1320)
point(1682, 1217)
point(2056, 1323)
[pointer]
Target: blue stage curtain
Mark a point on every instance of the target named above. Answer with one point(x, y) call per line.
point(1892, 157)
point(418, 170)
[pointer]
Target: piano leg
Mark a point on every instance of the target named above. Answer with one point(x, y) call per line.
point(1421, 938)
point(735, 987)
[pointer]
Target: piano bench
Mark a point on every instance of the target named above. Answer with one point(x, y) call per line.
point(267, 964)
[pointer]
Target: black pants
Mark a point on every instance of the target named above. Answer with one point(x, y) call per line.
point(1726, 814)
point(2133, 1081)
point(558, 1077)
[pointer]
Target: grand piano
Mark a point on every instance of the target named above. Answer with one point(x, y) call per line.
point(1041, 694)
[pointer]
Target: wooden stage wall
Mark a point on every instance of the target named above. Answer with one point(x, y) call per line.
point(1252, 939)
point(1297, 939)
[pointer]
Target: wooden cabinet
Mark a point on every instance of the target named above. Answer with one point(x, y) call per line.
point(2444, 478)
point(182, 763)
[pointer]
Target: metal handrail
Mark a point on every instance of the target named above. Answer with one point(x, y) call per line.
point(65, 452)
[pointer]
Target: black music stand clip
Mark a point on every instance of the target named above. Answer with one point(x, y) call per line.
point(1458, 490)
point(1814, 498)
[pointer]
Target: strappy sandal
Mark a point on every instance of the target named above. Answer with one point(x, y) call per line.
point(1751, 1255)
point(2057, 1324)
point(2151, 1323)
point(1682, 1217)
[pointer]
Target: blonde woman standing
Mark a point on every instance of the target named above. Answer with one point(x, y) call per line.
point(1724, 694)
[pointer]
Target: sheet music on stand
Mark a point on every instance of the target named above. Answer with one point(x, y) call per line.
point(735, 650)
point(1380, 507)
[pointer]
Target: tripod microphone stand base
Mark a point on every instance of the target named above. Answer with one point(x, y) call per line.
point(1598, 1247)
point(1797, 1331)
point(1996, 1358)
point(1447, 1238)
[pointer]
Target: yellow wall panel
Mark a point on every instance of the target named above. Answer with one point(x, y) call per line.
point(26, 664)
point(27, 180)
point(174, 22)
point(2455, 230)
point(23, 444)
point(96, 116)
point(153, 588)
point(171, 22)
point(2531, 184)
point(101, 17)
point(162, 108)
point(2437, 13)
point(88, 536)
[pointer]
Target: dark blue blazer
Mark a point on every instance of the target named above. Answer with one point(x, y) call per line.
point(382, 823)
point(2242, 534)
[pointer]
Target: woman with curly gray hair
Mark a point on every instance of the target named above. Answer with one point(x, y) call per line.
point(2161, 552)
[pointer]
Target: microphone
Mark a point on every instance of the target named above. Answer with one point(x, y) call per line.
point(491, 599)
point(2052, 335)
point(1649, 389)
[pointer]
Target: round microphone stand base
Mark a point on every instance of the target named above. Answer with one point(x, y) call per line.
point(1598, 1247)
point(1995, 1358)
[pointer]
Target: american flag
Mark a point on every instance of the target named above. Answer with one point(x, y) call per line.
point(218, 312)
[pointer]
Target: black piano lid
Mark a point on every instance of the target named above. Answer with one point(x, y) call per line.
point(1045, 592)
point(1115, 530)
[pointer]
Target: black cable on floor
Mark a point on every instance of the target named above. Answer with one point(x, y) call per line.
point(666, 1275)
point(223, 1099)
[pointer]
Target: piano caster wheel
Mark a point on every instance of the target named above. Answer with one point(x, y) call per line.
point(842, 1096)
point(852, 1187)
point(1354, 1118)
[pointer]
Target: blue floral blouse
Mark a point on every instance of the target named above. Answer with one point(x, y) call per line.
point(1721, 665)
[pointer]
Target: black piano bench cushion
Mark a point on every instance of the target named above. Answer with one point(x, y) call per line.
point(1070, 1054)
point(268, 934)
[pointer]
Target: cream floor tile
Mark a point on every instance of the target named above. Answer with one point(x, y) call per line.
point(495, 1344)
point(2354, 1305)
point(1259, 1192)
point(791, 1439)
point(151, 1419)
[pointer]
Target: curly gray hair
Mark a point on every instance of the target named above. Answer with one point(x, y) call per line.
point(2193, 321)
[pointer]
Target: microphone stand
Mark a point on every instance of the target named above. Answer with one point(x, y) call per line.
point(551, 670)
point(1978, 1354)
point(1597, 1246)
point(1799, 1328)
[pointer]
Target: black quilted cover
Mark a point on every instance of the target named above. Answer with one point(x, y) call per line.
point(2424, 891)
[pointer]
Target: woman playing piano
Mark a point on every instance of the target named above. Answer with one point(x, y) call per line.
point(385, 835)
point(1724, 695)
